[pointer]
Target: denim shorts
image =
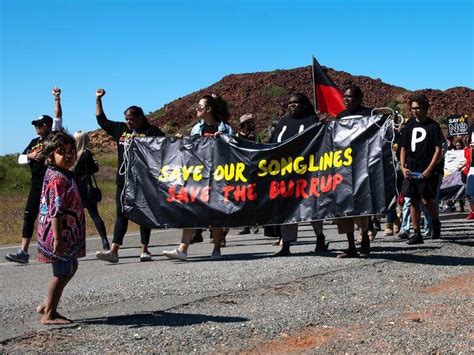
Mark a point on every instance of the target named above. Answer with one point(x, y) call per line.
point(65, 268)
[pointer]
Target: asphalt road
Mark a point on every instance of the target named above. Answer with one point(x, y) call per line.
point(404, 298)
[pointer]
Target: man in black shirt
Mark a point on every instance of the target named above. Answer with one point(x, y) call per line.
point(32, 155)
point(353, 96)
point(420, 160)
point(135, 125)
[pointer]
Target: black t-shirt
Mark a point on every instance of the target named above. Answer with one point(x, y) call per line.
point(361, 111)
point(420, 139)
point(121, 133)
point(289, 126)
point(209, 130)
point(37, 167)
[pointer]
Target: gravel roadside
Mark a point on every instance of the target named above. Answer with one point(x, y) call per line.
point(403, 299)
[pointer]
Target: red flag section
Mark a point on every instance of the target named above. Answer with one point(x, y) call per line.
point(329, 98)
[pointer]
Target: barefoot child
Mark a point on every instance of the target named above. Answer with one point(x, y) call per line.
point(61, 227)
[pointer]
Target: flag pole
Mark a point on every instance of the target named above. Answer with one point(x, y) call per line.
point(314, 83)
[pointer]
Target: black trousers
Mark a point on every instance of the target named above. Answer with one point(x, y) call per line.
point(97, 219)
point(31, 211)
point(121, 223)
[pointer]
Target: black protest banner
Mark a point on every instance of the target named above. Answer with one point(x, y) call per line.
point(343, 168)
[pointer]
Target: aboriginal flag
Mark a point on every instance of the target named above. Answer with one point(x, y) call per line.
point(328, 97)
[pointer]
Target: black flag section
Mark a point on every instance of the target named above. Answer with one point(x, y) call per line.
point(329, 98)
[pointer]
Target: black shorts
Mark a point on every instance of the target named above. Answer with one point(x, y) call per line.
point(65, 268)
point(421, 188)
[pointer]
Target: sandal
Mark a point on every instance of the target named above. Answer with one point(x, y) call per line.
point(277, 243)
point(348, 254)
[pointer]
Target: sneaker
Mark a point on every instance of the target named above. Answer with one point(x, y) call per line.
point(109, 256)
point(197, 238)
point(415, 239)
point(19, 257)
point(175, 254)
point(470, 215)
point(427, 233)
point(364, 252)
point(436, 233)
point(216, 255)
point(245, 230)
point(282, 252)
point(403, 235)
point(145, 257)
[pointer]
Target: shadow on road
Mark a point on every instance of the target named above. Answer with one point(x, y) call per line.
point(160, 318)
point(442, 260)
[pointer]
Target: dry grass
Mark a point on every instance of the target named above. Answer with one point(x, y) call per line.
point(12, 205)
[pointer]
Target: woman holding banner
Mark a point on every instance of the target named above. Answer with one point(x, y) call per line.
point(134, 125)
point(301, 116)
point(213, 114)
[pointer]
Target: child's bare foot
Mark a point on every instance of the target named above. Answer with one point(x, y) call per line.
point(54, 318)
point(59, 316)
point(54, 321)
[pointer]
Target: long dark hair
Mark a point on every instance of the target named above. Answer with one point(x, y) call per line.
point(219, 107)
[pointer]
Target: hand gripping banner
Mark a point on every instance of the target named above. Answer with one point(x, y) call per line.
point(339, 169)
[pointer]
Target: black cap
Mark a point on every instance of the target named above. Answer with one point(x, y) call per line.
point(43, 120)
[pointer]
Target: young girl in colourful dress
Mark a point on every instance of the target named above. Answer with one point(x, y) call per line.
point(61, 226)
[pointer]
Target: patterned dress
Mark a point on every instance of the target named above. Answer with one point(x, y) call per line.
point(60, 197)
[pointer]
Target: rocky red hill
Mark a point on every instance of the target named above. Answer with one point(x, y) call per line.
point(266, 94)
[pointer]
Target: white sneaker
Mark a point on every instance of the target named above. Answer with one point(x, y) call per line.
point(145, 257)
point(109, 256)
point(175, 254)
point(216, 255)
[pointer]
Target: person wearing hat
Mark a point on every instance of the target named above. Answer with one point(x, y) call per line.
point(247, 132)
point(247, 128)
point(32, 155)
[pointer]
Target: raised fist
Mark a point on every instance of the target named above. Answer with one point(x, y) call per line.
point(56, 91)
point(99, 93)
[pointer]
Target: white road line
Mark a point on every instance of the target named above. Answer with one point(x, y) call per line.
point(94, 238)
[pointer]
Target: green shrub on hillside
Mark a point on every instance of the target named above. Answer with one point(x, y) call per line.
point(395, 105)
point(13, 177)
point(275, 91)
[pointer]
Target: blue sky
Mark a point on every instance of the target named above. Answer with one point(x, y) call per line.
point(149, 53)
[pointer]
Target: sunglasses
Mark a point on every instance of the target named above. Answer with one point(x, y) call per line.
point(200, 107)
